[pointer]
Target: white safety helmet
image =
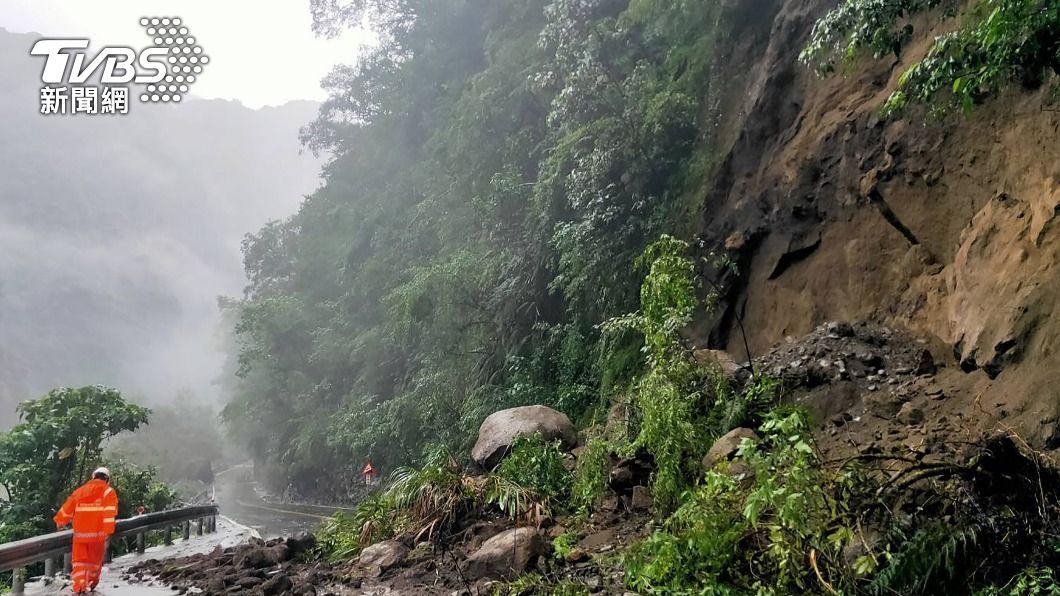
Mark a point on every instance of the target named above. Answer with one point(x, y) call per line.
point(101, 470)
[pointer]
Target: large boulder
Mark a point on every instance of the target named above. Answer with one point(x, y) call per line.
point(726, 446)
point(500, 429)
point(258, 557)
point(506, 555)
point(383, 555)
point(719, 359)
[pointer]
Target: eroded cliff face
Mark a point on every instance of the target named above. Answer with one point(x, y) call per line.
point(947, 228)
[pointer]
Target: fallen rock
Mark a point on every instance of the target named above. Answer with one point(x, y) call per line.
point(248, 582)
point(628, 473)
point(926, 363)
point(507, 554)
point(726, 446)
point(837, 329)
point(264, 556)
point(720, 359)
point(883, 404)
point(500, 429)
point(910, 414)
point(641, 498)
point(301, 542)
point(383, 555)
point(277, 585)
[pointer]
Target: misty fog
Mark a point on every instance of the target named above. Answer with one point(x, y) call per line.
point(118, 233)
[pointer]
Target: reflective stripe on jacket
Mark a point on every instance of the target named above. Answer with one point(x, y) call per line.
point(93, 507)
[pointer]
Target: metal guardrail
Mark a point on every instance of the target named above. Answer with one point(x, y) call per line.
point(48, 548)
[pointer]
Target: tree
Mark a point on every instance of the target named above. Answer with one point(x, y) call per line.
point(54, 448)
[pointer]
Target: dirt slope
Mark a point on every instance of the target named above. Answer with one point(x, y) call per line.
point(945, 228)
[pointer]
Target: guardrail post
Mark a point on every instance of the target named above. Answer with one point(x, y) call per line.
point(213, 523)
point(49, 567)
point(141, 543)
point(167, 538)
point(18, 581)
point(186, 529)
point(198, 527)
point(68, 564)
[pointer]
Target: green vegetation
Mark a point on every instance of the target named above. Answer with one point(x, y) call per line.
point(54, 449)
point(56, 446)
point(537, 465)
point(496, 166)
point(1034, 581)
point(777, 520)
point(427, 502)
point(992, 44)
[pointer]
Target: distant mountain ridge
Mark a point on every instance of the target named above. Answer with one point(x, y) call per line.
point(117, 233)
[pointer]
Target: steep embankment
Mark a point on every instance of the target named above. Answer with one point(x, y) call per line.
point(944, 227)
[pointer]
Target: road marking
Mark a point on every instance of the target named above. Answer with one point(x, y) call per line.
point(286, 511)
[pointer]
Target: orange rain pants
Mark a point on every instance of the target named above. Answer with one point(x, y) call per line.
point(93, 508)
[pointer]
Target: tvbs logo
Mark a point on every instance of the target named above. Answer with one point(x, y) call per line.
point(164, 71)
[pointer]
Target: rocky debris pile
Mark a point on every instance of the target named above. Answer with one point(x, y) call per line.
point(266, 568)
point(873, 357)
point(870, 387)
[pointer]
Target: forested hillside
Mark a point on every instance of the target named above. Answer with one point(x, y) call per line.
point(497, 168)
point(117, 234)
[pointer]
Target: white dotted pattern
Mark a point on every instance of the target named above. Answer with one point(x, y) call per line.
point(185, 58)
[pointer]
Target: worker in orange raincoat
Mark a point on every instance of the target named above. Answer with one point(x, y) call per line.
point(93, 508)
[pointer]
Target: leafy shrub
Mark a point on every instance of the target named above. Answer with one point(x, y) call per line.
point(344, 535)
point(537, 465)
point(563, 545)
point(997, 42)
point(679, 405)
point(731, 536)
point(590, 473)
point(1034, 581)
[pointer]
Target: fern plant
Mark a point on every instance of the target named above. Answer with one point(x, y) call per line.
point(925, 561)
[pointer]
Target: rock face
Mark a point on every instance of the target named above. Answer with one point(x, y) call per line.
point(500, 429)
point(505, 555)
point(944, 231)
point(725, 447)
point(383, 555)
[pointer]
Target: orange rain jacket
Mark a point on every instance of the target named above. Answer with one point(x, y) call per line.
point(93, 508)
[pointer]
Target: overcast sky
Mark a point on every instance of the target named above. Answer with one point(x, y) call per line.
point(261, 52)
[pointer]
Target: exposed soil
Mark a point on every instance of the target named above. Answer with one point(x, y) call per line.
point(944, 227)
